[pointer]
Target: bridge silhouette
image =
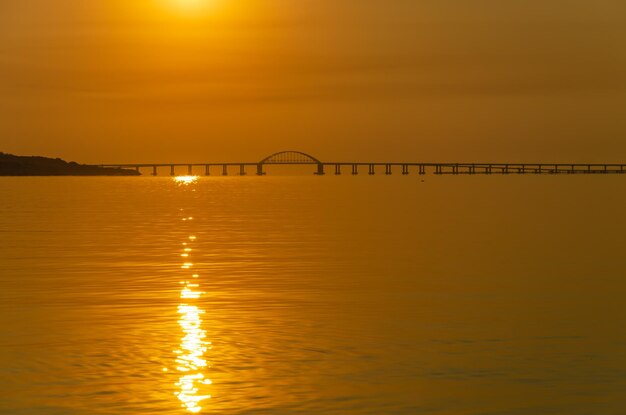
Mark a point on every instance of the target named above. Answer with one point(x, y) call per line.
point(320, 168)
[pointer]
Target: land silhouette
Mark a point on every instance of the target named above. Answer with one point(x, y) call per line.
point(12, 165)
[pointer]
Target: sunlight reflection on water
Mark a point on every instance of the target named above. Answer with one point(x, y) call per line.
point(190, 360)
point(186, 180)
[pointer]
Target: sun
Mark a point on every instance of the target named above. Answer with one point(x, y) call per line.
point(189, 4)
point(189, 7)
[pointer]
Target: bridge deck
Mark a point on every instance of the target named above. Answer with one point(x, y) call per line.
point(388, 168)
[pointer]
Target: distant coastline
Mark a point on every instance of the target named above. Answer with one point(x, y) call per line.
point(11, 165)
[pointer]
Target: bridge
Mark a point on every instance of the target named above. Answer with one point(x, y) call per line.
point(371, 168)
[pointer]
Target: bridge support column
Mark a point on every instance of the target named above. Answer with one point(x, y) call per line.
point(489, 167)
point(320, 170)
point(224, 170)
point(422, 170)
point(190, 170)
point(388, 169)
point(405, 169)
point(172, 170)
point(242, 170)
point(455, 169)
point(355, 169)
point(372, 170)
point(154, 171)
point(207, 170)
point(438, 169)
point(337, 169)
point(259, 170)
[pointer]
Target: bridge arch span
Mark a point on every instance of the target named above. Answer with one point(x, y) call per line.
point(290, 157)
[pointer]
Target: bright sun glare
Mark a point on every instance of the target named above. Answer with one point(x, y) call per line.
point(189, 3)
point(188, 6)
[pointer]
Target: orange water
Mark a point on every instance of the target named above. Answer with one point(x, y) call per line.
point(313, 295)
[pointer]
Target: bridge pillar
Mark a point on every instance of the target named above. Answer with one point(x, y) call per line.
point(190, 170)
point(259, 170)
point(242, 170)
point(388, 169)
point(224, 170)
point(405, 169)
point(422, 169)
point(455, 169)
point(337, 169)
point(372, 170)
point(172, 170)
point(355, 169)
point(320, 170)
point(154, 171)
point(207, 170)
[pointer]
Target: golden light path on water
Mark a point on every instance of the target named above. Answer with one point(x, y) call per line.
point(190, 360)
point(186, 179)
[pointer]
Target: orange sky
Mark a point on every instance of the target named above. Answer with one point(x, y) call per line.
point(431, 80)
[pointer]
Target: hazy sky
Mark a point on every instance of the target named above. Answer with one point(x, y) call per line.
point(218, 80)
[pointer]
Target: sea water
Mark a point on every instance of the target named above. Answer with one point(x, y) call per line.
point(313, 295)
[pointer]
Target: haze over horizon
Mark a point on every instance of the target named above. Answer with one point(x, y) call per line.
point(168, 81)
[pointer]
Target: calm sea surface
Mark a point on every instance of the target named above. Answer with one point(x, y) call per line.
point(313, 295)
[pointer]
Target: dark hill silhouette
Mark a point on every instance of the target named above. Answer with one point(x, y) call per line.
point(11, 165)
